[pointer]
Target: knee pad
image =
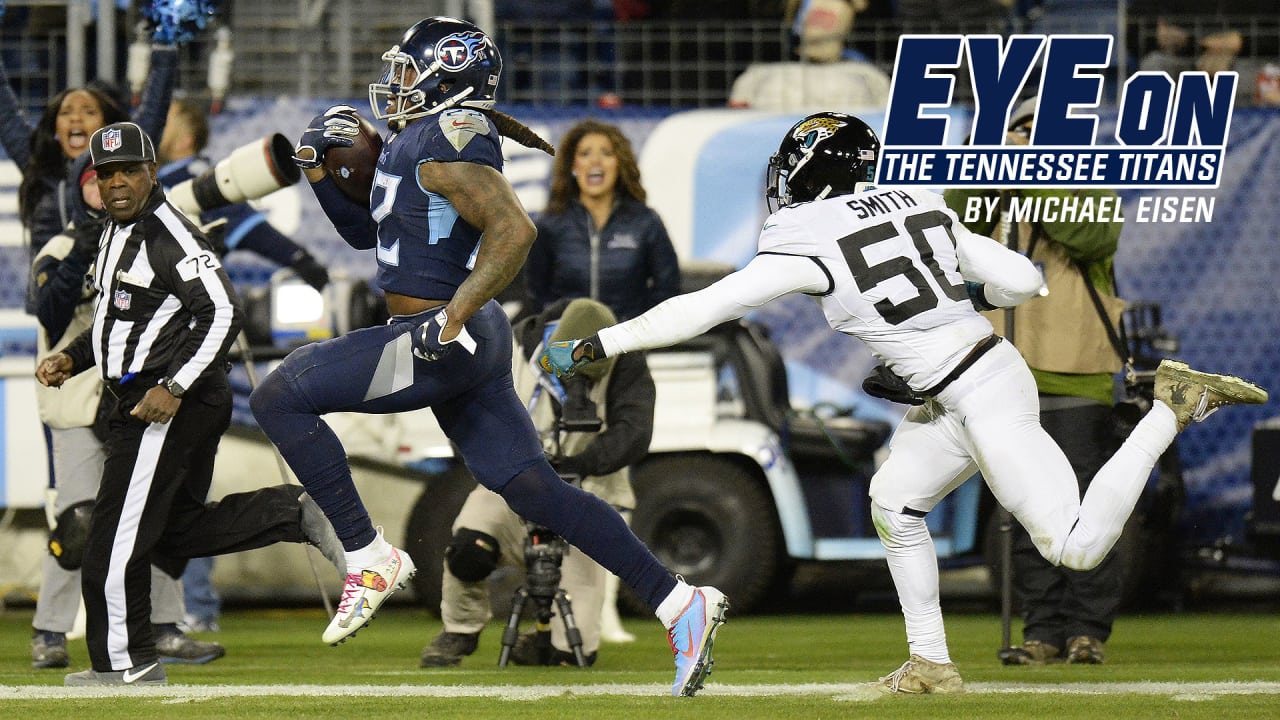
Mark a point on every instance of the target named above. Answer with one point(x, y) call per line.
point(70, 535)
point(471, 555)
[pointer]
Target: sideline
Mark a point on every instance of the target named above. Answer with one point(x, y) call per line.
point(838, 691)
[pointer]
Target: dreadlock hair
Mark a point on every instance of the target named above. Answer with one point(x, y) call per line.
point(564, 188)
point(47, 161)
point(518, 131)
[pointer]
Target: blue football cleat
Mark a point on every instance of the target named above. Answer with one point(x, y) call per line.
point(691, 637)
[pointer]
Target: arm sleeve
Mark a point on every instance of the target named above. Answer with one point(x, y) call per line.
point(153, 108)
point(765, 278)
point(255, 234)
point(15, 133)
point(351, 219)
point(664, 268)
point(1010, 278)
point(207, 294)
point(625, 440)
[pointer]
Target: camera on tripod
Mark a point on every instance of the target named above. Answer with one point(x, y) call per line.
point(578, 413)
point(544, 550)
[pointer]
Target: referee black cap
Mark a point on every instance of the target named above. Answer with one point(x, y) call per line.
point(121, 142)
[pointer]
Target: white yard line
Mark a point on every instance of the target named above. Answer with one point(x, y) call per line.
point(837, 691)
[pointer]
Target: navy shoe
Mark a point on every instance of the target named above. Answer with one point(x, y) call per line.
point(49, 650)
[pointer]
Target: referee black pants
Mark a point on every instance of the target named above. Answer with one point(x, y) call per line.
point(151, 509)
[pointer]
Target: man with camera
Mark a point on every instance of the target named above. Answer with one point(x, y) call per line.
point(592, 428)
point(1067, 614)
point(186, 132)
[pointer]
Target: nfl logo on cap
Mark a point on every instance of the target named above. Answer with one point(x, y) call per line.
point(120, 142)
point(111, 139)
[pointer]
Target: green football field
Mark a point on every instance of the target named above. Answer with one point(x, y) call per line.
point(783, 666)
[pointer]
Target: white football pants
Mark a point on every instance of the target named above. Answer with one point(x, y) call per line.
point(989, 420)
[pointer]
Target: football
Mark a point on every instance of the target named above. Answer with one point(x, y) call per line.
point(352, 168)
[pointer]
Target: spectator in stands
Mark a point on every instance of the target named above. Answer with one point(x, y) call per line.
point(822, 27)
point(1176, 50)
point(597, 238)
point(1205, 37)
point(45, 152)
point(828, 75)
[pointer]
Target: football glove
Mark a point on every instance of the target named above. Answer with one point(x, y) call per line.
point(428, 345)
point(977, 295)
point(885, 383)
point(563, 358)
point(335, 127)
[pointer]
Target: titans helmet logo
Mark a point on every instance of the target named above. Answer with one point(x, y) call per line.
point(457, 51)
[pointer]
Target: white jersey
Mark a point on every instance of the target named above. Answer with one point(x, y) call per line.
point(887, 266)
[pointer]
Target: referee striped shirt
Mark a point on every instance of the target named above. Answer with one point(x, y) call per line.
point(166, 308)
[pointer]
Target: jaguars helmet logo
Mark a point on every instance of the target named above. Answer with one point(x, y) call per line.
point(814, 130)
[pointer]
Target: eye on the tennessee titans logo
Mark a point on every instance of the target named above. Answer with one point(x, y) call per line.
point(459, 50)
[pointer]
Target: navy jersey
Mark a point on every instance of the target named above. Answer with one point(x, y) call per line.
point(425, 249)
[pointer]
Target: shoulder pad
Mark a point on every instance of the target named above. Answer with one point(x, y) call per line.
point(460, 125)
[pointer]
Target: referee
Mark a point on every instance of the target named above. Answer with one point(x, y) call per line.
point(165, 318)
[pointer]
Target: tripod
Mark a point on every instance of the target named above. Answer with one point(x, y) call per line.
point(543, 553)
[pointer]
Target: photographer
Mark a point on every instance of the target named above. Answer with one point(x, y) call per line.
point(1067, 614)
point(487, 534)
point(186, 132)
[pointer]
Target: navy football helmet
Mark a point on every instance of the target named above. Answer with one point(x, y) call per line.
point(440, 63)
point(824, 155)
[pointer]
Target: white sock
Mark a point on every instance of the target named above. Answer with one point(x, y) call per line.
point(913, 564)
point(372, 554)
point(675, 603)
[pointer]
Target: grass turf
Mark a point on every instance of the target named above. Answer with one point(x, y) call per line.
point(762, 662)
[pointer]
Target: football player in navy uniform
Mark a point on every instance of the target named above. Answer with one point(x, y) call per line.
point(896, 269)
point(449, 234)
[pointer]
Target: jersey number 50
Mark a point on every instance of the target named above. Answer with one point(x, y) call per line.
point(868, 276)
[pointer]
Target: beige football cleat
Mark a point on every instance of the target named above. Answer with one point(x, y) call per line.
point(919, 676)
point(1194, 395)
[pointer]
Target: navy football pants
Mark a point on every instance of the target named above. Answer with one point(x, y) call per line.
point(373, 370)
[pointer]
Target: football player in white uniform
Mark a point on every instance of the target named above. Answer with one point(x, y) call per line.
point(896, 269)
